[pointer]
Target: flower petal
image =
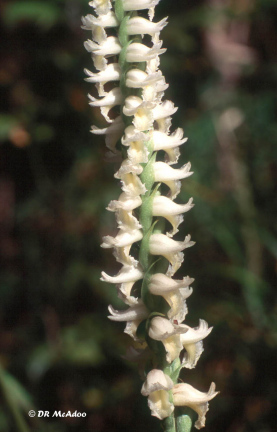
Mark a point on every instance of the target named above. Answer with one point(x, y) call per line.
point(186, 395)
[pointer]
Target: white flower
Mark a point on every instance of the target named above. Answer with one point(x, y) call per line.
point(153, 85)
point(170, 176)
point(125, 275)
point(165, 109)
point(101, 7)
point(156, 387)
point(113, 98)
point(175, 292)
point(128, 167)
point(110, 46)
point(107, 20)
point(137, 52)
point(122, 256)
point(186, 395)
point(163, 206)
point(125, 202)
point(161, 284)
point(192, 342)
point(134, 315)
point(139, 25)
point(133, 104)
point(136, 140)
point(136, 78)
point(124, 293)
point(130, 5)
point(160, 244)
point(113, 132)
point(111, 73)
point(122, 239)
point(142, 112)
point(98, 24)
point(161, 329)
point(132, 185)
point(126, 221)
point(169, 143)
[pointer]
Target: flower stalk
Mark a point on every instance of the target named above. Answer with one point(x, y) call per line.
point(131, 90)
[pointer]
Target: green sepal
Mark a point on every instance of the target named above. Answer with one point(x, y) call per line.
point(173, 369)
point(145, 218)
point(169, 423)
point(144, 249)
point(147, 176)
point(123, 64)
point(183, 423)
point(119, 10)
point(161, 265)
point(160, 226)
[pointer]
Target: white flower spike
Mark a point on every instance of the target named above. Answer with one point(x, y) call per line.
point(125, 47)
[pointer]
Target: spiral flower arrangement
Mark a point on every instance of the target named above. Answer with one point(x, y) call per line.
point(125, 48)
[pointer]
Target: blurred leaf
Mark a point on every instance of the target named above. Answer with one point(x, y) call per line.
point(80, 348)
point(254, 289)
point(269, 241)
point(8, 284)
point(7, 123)
point(43, 132)
point(16, 391)
point(40, 361)
point(43, 13)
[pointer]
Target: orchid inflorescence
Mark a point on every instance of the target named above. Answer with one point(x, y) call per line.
point(140, 129)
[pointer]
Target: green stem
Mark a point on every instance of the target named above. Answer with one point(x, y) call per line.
point(21, 425)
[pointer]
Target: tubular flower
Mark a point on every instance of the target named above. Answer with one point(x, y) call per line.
point(186, 395)
point(156, 387)
point(131, 99)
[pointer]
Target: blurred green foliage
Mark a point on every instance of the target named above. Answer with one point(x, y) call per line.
point(56, 342)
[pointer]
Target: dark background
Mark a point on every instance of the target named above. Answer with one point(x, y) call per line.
point(58, 351)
